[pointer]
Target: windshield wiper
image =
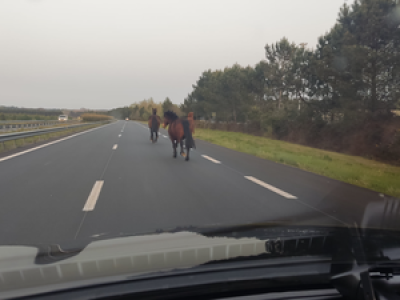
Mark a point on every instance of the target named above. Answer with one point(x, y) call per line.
point(48, 254)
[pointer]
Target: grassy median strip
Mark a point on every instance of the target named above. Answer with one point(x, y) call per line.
point(355, 170)
point(10, 145)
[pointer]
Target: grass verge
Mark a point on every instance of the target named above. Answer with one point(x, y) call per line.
point(355, 170)
point(19, 143)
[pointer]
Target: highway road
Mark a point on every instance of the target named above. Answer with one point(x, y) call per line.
point(112, 181)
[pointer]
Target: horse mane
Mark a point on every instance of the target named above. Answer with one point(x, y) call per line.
point(171, 115)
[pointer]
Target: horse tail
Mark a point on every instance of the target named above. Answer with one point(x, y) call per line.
point(189, 142)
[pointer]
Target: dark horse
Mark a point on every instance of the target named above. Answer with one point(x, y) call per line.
point(154, 125)
point(179, 130)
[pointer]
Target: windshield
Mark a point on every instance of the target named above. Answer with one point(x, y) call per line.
point(152, 118)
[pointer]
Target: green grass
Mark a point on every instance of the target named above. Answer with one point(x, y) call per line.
point(355, 170)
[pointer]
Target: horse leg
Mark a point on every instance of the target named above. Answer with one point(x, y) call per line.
point(151, 135)
point(174, 145)
point(157, 135)
point(181, 144)
point(187, 155)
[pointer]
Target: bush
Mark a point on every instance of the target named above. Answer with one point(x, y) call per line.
point(94, 117)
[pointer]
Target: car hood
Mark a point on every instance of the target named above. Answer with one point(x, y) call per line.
point(27, 270)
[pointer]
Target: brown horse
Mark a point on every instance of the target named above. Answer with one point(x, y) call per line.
point(179, 130)
point(154, 125)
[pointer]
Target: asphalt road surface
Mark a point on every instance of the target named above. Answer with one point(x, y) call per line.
point(112, 181)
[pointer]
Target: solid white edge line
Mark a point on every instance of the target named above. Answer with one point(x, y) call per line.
point(270, 187)
point(48, 144)
point(115, 147)
point(94, 196)
point(211, 159)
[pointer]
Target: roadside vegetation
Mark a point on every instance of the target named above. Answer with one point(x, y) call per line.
point(92, 117)
point(355, 170)
point(141, 111)
point(27, 114)
point(341, 95)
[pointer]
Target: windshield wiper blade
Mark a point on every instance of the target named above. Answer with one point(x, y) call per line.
point(54, 253)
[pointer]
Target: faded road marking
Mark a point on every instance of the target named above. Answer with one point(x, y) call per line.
point(270, 187)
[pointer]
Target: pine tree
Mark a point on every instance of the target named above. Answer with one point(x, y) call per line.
point(363, 51)
point(280, 62)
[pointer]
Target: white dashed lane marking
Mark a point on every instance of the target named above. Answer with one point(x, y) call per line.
point(115, 147)
point(94, 196)
point(211, 159)
point(270, 187)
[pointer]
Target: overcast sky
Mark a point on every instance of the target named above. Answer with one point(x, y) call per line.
point(102, 54)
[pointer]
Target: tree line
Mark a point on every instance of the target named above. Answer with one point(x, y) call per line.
point(94, 117)
point(352, 75)
point(143, 109)
point(341, 95)
point(16, 113)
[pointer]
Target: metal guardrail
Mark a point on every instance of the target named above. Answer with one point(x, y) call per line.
point(28, 121)
point(24, 134)
point(21, 124)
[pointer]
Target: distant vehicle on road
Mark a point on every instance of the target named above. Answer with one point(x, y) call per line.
point(62, 118)
point(127, 119)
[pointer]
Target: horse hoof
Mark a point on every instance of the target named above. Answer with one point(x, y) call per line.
point(187, 158)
